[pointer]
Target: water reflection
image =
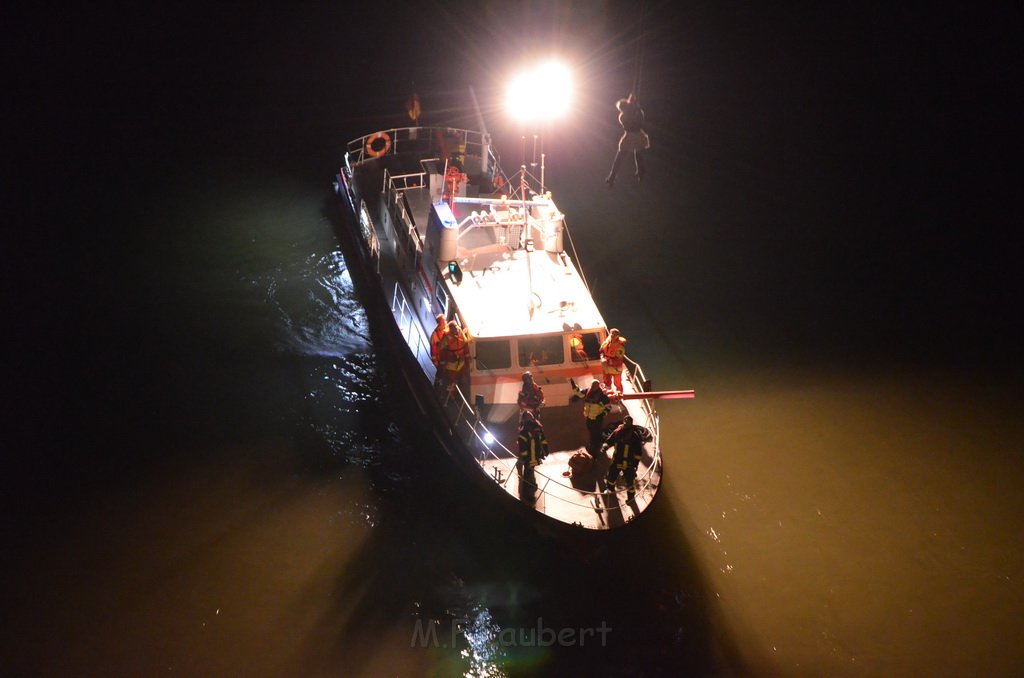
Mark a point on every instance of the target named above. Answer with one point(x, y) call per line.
point(317, 310)
point(847, 520)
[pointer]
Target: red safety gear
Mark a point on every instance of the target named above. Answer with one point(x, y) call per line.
point(435, 340)
point(613, 358)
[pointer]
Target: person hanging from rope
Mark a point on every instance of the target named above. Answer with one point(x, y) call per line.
point(628, 441)
point(634, 139)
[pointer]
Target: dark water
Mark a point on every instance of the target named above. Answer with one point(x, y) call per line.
point(209, 475)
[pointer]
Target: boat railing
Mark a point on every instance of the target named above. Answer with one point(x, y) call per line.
point(424, 141)
point(519, 203)
point(396, 186)
point(468, 418)
point(399, 183)
point(506, 219)
point(636, 376)
point(471, 429)
point(524, 179)
point(407, 322)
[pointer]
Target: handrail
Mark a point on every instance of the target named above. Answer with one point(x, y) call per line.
point(400, 206)
point(400, 182)
point(474, 427)
point(651, 417)
point(415, 138)
point(406, 321)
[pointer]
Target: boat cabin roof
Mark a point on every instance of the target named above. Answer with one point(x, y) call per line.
point(516, 280)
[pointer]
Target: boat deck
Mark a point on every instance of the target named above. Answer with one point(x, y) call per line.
point(577, 499)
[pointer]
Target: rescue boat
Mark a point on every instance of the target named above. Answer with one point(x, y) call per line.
point(432, 225)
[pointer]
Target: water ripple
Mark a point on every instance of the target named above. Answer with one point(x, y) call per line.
point(317, 312)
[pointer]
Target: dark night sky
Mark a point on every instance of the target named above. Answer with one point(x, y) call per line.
point(877, 142)
point(845, 174)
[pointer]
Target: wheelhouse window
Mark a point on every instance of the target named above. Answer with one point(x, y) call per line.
point(493, 354)
point(584, 346)
point(541, 351)
point(441, 296)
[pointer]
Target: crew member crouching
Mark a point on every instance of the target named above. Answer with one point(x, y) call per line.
point(628, 441)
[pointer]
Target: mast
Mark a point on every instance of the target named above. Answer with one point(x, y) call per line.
point(527, 240)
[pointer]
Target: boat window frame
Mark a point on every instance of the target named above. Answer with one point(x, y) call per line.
point(441, 296)
point(591, 336)
point(478, 343)
point(554, 341)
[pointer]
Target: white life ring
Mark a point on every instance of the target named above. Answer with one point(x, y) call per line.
point(375, 149)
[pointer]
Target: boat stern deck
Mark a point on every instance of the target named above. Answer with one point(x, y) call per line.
point(576, 498)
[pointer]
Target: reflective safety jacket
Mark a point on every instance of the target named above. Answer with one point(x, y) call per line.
point(436, 337)
point(576, 345)
point(613, 353)
point(531, 397)
point(453, 350)
point(595, 401)
point(533, 444)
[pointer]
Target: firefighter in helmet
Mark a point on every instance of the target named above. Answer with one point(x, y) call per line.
point(596, 405)
point(533, 447)
point(531, 397)
point(628, 441)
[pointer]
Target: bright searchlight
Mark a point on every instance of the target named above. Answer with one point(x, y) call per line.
point(542, 92)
